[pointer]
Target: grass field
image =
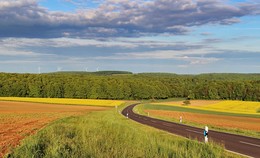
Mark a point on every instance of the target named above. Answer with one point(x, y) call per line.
point(240, 107)
point(243, 124)
point(20, 119)
point(108, 134)
point(65, 101)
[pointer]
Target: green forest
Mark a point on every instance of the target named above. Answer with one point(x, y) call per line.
point(126, 85)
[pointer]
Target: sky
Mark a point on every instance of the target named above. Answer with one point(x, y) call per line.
point(175, 36)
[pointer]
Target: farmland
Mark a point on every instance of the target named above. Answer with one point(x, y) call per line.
point(213, 120)
point(61, 114)
point(109, 134)
point(89, 102)
point(241, 107)
point(20, 119)
point(129, 78)
point(229, 116)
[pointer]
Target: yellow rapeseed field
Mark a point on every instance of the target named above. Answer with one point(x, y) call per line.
point(244, 107)
point(92, 102)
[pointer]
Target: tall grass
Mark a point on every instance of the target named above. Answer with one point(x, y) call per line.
point(107, 134)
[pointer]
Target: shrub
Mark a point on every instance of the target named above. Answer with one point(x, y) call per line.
point(186, 102)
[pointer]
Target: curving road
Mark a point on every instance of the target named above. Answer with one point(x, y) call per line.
point(240, 144)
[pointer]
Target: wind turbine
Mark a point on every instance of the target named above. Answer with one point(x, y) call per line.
point(97, 68)
point(39, 70)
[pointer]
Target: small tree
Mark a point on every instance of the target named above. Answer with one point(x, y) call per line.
point(186, 102)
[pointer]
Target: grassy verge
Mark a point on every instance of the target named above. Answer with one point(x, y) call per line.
point(140, 109)
point(108, 134)
point(162, 100)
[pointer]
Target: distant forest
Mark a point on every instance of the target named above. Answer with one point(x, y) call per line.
point(125, 85)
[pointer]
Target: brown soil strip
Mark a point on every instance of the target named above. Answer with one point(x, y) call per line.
point(19, 119)
point(214, 120)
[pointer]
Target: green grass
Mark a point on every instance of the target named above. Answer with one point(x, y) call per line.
point(107, 134)
point(140, 109)
point(162, 100)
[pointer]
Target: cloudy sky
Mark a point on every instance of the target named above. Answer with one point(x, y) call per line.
point(178, 36)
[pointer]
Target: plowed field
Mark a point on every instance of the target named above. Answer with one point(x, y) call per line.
point(214, 120)
point(20, 119)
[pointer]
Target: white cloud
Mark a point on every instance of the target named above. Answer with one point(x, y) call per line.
point(12, 52)
point(186, 56)
point(19, 43)
point(63, 43)
point(165, 54)
point(114, 18)
point(18, 61)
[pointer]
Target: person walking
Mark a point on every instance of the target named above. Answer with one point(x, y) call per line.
point(206, 134)
point(180, 119)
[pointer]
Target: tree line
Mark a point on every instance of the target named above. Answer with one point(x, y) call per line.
point(131, 86)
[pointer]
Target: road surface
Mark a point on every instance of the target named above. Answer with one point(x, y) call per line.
point(236, 143)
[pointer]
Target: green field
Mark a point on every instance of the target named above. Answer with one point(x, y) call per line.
point(108, 134)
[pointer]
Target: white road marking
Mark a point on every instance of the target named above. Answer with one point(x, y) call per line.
point(250, 144)
point(194, 131)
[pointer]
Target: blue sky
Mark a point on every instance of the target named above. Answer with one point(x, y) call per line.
point(184, 37)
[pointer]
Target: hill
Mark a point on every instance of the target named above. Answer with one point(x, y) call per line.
point(93, 73)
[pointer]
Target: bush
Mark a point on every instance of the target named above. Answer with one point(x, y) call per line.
point(186, 102)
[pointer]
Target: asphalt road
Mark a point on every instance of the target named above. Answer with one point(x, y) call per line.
point(236, 143)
